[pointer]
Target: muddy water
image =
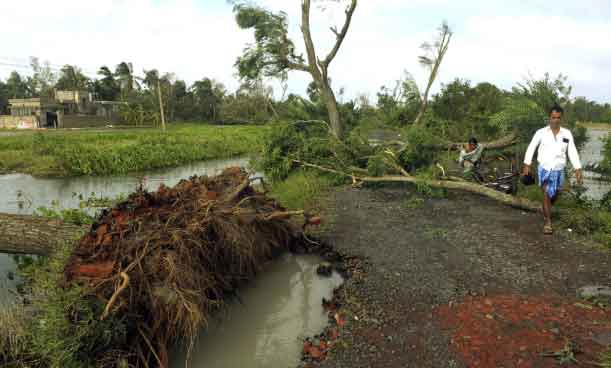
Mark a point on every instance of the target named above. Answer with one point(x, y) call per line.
point(591, 153)
point(280, 308)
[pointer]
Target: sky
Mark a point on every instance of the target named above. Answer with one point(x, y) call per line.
point(496, 41)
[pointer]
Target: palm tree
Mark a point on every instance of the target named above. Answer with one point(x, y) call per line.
point(125, 74)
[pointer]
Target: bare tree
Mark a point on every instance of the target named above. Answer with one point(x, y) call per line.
point(431, 60)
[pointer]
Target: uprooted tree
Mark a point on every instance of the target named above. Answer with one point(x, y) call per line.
point(150, 272)
point(273, 53)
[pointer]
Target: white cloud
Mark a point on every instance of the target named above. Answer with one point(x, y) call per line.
point(200, 38)
point(506, 49)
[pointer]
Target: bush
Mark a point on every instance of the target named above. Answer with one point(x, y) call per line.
point(519, 114)
point(308, 142)
point(422, 148)
point(303, 190)
point(590, 222)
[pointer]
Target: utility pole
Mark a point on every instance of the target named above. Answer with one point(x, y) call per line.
point(161, 105)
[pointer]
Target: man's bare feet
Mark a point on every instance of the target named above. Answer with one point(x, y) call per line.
point(547, 229)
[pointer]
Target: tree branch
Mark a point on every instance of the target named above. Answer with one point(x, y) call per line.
point(298, 66)
point(334, 30)
point(341, 35)
point(307, 36)
point(503, 142)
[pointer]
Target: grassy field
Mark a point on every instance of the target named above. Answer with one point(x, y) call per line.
point(108, 152)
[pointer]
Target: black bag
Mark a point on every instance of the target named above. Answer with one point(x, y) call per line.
point(528, 180)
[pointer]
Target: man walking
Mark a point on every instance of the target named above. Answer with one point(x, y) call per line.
point(554, 144)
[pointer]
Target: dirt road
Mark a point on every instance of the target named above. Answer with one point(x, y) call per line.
point(461, 282)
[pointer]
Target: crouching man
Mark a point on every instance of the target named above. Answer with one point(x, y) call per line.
point(554, 143)
point(470, 158)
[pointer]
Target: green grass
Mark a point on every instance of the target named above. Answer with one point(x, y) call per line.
point(304, 190)
point(66, 330)
point(606, 359)
point(96, 152)
point(309, 191)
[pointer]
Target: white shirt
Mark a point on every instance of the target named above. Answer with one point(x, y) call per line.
point(553, 149)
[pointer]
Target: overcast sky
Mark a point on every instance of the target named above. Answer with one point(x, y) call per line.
point(497, 41)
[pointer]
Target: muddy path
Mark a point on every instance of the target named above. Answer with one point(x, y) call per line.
point(426, 263)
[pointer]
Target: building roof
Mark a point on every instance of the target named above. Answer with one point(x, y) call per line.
point(32, 102)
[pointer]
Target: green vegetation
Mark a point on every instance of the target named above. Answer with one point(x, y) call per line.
point(587, 218)
point(71, 153)
point(606, 359)
point(67, 331)
point(13, 341)
point(605, 165)
point(458, 112)
point(305, 190)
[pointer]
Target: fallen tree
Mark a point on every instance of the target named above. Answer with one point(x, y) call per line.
point(450, 183)
point(504, 142)
point(150, 271)
point(35, 235)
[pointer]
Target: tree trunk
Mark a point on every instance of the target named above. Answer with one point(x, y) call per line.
point(513, 201)
point(21, 234)
point(333, 110)
point(423, 107)
point(466, 186)
point(161, 105)
point(508, 140)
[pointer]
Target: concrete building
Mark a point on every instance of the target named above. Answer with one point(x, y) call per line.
point(43, 109)
point(68, 109)
point(74, 102)
point(108, 109)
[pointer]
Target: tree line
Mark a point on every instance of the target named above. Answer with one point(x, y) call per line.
point(273, 55)
point(207, 100)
